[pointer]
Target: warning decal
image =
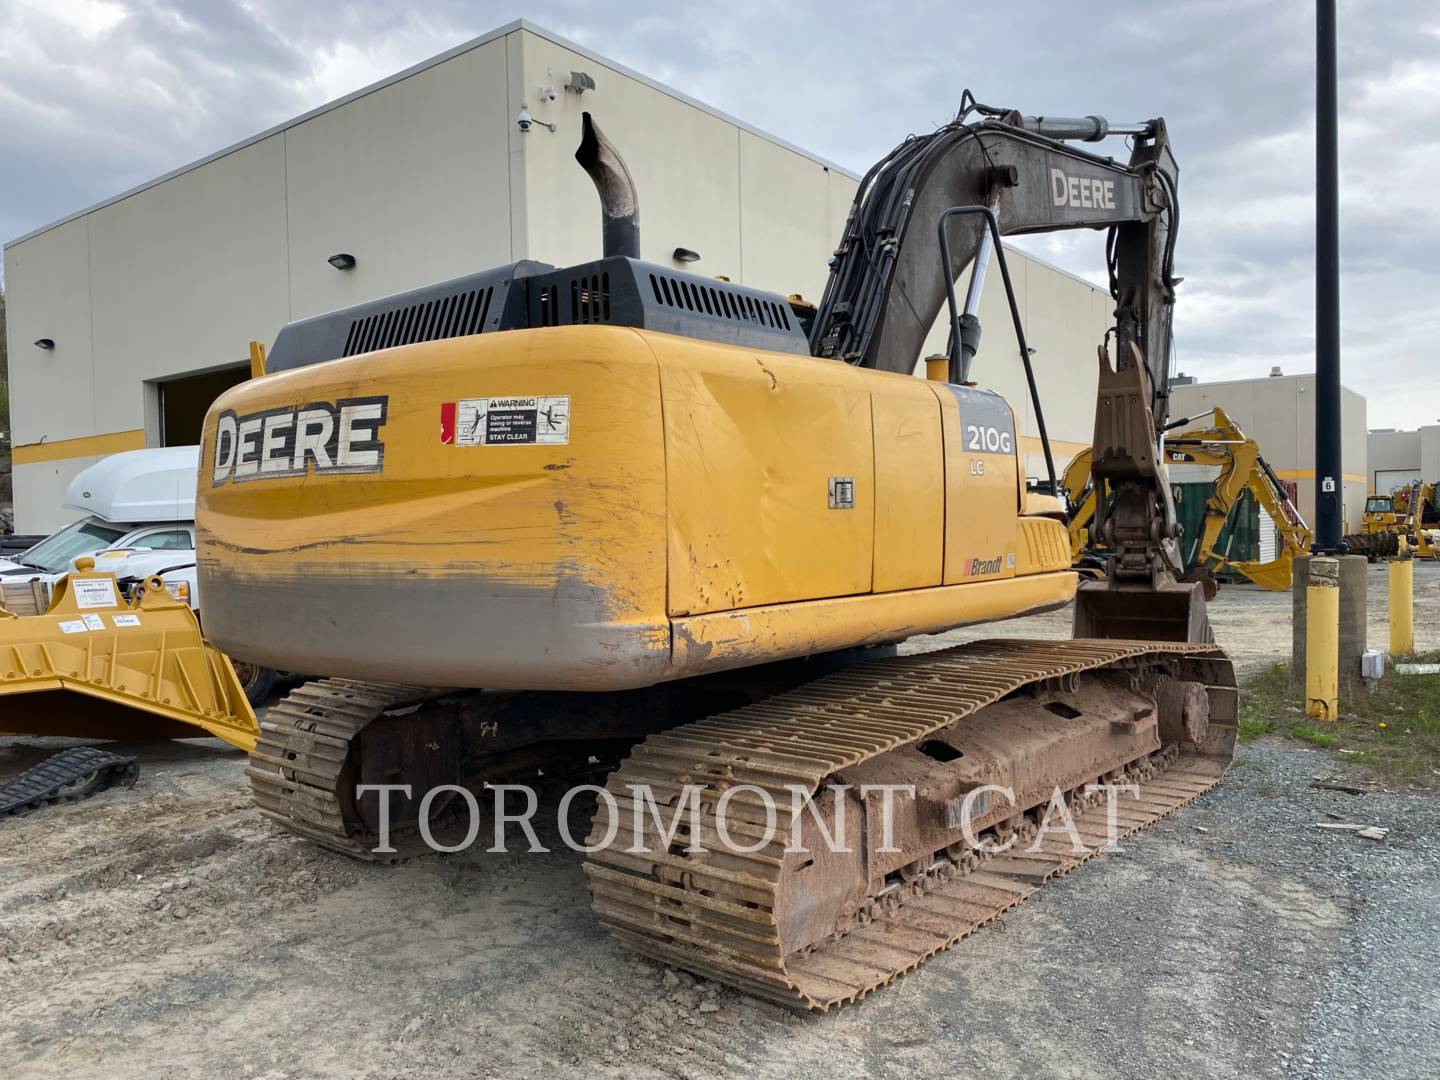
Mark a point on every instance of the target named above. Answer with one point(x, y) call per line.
point(93, 592)
point(506, 421)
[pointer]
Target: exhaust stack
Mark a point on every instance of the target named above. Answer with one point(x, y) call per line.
point(619, 209)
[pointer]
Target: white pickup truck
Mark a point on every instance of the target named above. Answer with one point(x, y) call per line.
point(139, 521)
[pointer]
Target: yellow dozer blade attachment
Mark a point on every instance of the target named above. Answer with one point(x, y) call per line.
point(98, 666)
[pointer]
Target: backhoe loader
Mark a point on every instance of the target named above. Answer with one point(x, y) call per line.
point(649, 523)
point(1221, 443)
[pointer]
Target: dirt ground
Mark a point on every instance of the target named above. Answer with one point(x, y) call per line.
point(168, 930)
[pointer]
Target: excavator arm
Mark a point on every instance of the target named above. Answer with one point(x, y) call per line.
point(940, 202)
point(1242, 468)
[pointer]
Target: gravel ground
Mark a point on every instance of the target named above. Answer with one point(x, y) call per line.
point(169, 931)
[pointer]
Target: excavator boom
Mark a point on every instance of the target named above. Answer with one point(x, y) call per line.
point(884, 295)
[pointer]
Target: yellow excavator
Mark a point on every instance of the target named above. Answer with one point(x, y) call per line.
point(536, 518)
point(1409, 513)
point(1220, 443)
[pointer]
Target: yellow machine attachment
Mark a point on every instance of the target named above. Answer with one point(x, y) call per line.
point(98, 666)
point(1223, 444)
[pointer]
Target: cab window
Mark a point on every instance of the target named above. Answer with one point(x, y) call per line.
point(163, 540)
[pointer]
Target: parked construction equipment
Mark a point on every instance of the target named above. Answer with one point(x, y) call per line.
point(1242, 470)
point(630, 502)
point(101, 665)
point(1409, 515)
point(139, 522)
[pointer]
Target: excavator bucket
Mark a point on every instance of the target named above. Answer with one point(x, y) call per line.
point(96, 665)
point(1278, 575)
point(1170, 611)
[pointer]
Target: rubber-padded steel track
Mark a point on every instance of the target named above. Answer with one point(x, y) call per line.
point(71, 775)
point(701, 913)
point(297, 769)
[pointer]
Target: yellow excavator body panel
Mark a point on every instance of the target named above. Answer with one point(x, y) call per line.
point(96, 665)
point(594, 507)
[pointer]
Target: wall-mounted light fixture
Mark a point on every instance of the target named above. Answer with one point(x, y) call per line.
point(45, 343)
point(685, 255)
point(579, 83)
point(342, 261)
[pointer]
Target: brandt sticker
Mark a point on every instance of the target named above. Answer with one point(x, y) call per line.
point(93, 592)
point(506, 421)
point(72, 626)
point(92, 621)
point(125, 620)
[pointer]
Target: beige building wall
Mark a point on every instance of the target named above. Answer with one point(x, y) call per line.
point(768, 215)
point(1402, 457)
point(1279, 414)
point(423, 177)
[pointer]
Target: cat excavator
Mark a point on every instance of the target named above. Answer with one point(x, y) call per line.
point(1242, 470)
point(620, 516)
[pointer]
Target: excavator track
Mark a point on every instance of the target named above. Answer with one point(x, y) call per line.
point(721, 912)
point(71, 775)
point(323, 740)
point(300, 767)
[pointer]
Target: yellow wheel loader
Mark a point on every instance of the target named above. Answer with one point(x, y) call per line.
point(536, 518)
point(1220, 443)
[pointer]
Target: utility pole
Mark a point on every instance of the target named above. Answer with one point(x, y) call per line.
point(1329, 610)
point(1329, 477)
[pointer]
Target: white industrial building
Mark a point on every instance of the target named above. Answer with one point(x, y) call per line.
point(1278, 412)
point(148, 301)
point(1400, 458)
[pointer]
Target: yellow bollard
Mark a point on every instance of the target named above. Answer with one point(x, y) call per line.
point(1402, 606)
point(1322, 640)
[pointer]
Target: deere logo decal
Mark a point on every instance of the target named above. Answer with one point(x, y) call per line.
point(1081, 191)
point(339, 437)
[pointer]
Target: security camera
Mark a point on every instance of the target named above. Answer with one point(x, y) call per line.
point(524, 119)
point(547, 93)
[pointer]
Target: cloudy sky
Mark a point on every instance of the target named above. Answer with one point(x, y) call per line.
point(99, 95)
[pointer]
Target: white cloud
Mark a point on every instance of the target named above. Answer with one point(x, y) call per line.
point(98, 95)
